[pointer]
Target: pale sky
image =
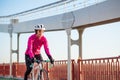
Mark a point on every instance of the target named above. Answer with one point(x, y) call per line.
point(99, 41)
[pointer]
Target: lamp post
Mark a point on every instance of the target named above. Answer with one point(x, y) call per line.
point(68, 20)
point(10, 30)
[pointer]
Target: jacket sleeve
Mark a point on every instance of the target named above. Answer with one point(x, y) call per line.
point(30, 47)
point(46, 48)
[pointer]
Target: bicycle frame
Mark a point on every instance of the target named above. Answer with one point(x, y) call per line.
point(38, 68)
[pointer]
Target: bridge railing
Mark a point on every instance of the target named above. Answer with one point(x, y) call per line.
point(85, 69)
point(99, 69)
point(59, 71)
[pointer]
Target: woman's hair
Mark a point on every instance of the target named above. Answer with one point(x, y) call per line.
point(36, 31)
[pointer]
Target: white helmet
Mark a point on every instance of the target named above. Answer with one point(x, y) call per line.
point(39, 27)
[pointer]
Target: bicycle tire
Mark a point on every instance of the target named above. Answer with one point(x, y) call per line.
point(43, 75)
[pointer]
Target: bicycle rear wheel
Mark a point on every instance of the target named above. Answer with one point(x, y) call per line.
point(43, 75)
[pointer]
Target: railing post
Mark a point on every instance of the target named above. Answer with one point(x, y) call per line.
point(3, 69)
point(118, 67)
point(72, 69)
point(78, 62)
point(79, 68)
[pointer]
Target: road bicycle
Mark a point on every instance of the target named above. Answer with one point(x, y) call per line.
point(38, 72)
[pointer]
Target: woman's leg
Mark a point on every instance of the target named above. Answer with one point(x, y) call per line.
point(29, 68)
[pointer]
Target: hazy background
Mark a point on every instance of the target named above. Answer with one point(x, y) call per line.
point(99, 41)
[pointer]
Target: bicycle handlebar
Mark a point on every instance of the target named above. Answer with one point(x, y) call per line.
point(38, 61)
point(41, 60)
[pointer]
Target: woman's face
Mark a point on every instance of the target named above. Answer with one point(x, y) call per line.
point(40, 33)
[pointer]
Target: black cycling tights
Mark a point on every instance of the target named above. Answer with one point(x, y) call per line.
point(28, 62)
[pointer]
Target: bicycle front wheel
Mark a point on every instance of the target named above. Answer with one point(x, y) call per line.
point(43, 75)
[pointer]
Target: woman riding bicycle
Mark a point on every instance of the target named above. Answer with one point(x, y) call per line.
point(35, 43)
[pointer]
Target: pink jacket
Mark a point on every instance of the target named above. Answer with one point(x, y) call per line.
point(35, 44)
